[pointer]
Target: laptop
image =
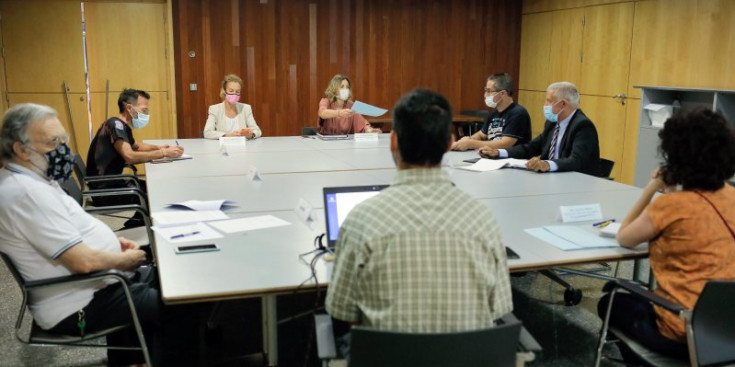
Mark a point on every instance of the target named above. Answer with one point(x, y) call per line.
point(339, 201)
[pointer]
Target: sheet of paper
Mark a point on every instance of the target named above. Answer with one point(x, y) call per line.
point(187, 233)
point(484, 165)
point(204, 205)
point(171, 159)
point(248, 224)
point(366, 137)
point(570, 238)
point(580, 213)
point(179, 217)
point(368, 110)
point(232, 144)
point(610, 230)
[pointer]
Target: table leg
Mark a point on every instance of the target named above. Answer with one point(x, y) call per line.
point(270, 329)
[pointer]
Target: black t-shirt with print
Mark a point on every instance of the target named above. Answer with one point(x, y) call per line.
point(103, 158)
point(514, 121)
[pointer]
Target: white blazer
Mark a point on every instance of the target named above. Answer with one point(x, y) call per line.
point(216, 124)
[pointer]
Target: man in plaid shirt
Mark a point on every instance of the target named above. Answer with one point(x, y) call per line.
point(422, 256)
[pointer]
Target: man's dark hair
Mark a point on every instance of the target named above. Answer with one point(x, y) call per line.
point(130, 96)
point(502, 81)
point(422, 121)
point(698, 150)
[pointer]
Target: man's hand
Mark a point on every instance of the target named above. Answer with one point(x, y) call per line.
point(132, 259)
point(538, 165)
point(126, 244)
point(463, 144)
point(173, 152)
point(487, 152)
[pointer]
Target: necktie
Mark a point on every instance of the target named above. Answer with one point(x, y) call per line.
point(552, 148)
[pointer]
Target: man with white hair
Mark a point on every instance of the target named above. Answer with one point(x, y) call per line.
point(569, 141)
point(47, 234)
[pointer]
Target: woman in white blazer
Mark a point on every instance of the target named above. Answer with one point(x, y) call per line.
point(231, 118)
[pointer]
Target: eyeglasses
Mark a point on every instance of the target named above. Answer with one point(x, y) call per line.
point(488, 91)
point(231, 93)
point(145, 111)
point(55, 142)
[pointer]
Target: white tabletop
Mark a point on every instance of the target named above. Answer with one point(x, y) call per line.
point(266, 261)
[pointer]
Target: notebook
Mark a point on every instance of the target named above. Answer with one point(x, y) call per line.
point(339, 201)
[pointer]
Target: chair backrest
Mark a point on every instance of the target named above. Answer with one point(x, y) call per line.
point(80, 169)
point(13, 270)
point(487, 347)
point(73, 189)
point(713, 323)
point(476, 113)
point(606, 167)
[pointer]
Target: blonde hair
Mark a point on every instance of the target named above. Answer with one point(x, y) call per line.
point(229, 78)
point(332, 91)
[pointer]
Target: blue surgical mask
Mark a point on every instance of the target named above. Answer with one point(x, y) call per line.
point(141, 121)
point(549, 114)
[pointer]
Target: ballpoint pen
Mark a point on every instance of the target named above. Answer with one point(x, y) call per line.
point(603, 224)
point(184, 235)
point(177, 142)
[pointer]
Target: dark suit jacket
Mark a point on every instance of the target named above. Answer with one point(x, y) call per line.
point(580, 148)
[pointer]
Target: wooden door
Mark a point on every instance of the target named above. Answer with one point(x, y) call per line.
point(43, 48)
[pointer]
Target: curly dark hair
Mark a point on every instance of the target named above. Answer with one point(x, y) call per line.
point(698, 150)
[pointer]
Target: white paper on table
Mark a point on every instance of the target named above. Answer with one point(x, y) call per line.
point(178, 217)
point(366, 137)
point(249, 223)
point(367, 110)
point(610, 230)
point(579, 213)
point(570, 238)
point(206, 205)
point(232, 144)
point(484, 164)
point(187, 233)
point(171, 159)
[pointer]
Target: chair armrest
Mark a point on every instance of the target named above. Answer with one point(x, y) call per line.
point(76, 278)
point(643, 292)
point(525, 340)
point(118, 192)
point(325, 346)
point(112, 178)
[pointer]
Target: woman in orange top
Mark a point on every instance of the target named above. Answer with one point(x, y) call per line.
point(690, 228)
point(335, 115)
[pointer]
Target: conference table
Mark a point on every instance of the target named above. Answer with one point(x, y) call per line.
point(265, 262)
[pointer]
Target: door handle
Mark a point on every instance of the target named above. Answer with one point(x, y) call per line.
point(622, 97)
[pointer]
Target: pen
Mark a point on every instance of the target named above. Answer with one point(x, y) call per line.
point(184, 235)
point(177, 142)
point(604, 223)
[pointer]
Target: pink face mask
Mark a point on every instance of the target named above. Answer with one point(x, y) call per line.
point(232, 98)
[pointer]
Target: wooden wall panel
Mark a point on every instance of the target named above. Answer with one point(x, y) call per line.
point(606, 48)
point(683, 43)
point(38, 35)
point(535, 6)
point(608, 115)
point(533, 101)
point(566, 46)
point(535, 52)
point(630, 141)
point(129, 57)
point(287, 51)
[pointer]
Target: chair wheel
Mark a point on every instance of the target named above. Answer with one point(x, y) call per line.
point(572, 297)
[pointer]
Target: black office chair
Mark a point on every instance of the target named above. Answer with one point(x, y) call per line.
point(710, 325)
point(40, 337)
point(80, 169)
point(502, 345)
point(309, 130)
point(473, 126)
point(606, 167)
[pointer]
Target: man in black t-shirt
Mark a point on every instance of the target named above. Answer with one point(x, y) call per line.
point(114, 146)
point(509, 124)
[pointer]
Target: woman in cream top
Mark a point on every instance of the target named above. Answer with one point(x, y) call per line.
point(231, 118)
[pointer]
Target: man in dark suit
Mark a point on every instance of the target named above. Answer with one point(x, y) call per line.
point(569, 140)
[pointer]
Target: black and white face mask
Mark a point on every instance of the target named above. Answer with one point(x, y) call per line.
point(60, 163)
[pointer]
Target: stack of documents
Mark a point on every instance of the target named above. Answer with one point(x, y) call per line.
point(569, 238)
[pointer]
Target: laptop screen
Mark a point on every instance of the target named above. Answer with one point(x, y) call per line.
point(339, 201)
